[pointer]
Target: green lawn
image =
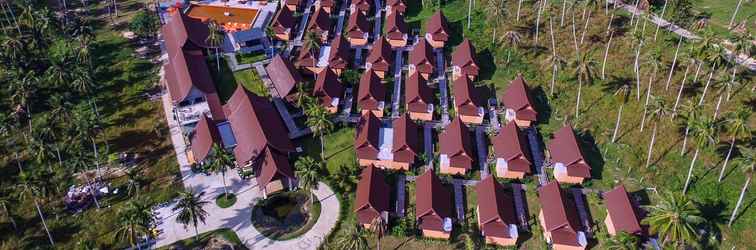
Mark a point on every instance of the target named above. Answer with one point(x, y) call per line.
point(721, 12)
point(204, 238)
point(226, 80)
point(250, 58)
point(339, 148)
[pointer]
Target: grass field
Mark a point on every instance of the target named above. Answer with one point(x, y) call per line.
point(226, 80)
point(721, 12)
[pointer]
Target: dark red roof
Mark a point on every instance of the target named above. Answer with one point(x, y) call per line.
point(407, 144)
point(327, 3)
point(340, 53)
point(621, 210)
point(283, 75)
point(466, 97)
point(371, 91)
point(363, 5)
point(283, 21)
point(308, 57)
point(438, 27)
point(396, 28)
point(358, 25)
point(397, 5)
point(328, 87)
point(372, 196)
point(559, 214)
point(496, 209)
point(367, 142)
point(517, 98)
point(464, 57)
point(320, 22)
point(455, 142)
point(293, 2)
point(422, 57)
point(380, 55)
point(418, 95)
point(511, 146)
point(205, 136)
point(275, 166)
point(186, 69)
point(185, 32)
point(564, 148)
point(433, 201)
point(253, 134)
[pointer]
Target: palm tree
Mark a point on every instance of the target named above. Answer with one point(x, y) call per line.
point(134, 180)
point(311, 40)
point(303, 96)
point(705, 130)
point(512, 40)
point(737, 124)
point(497, 11)
point(317, 120)
point(134, 219)
point(606, 54)
point(658, 108)
point(584, 71)
point(674, 62)
point(622, 241)
point(541, 5)
point(220, 161)
point(215, 39)
point(5, 201)
point(674, 219)
point(735, 13)
point(354, 239)
point(664, 10)
point(347, 176)
point(306, 170)
point(378, 226)
point(588, 5)
point(717, 59)
point(34, 186)
point(553, 61)
point(653, 59)
point(191, 211)
point(682, 86)
point(689, 114)
point(622, 88)
point(746, 160)
point(519, 6)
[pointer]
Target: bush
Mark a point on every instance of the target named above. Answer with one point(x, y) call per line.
point(144, 24)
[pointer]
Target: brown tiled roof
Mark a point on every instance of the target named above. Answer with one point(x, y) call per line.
point(564, 148)
point(367, 142)
point(455, 142)
point(284, 20)
point(184, 32)
point(184, 40)
point(511, 146)
point(559, 214)
point(464, 57)
point(372, 196)
point(205, 136)
point(283, 75)
point(275, 166)
point(422, 57)
point(327, 3)
point(363, 5)
point(466, 97)
point(380, 55)
point(407, 144)
point(397, 5)
point(357, 25)
point(396, 28)
point(340, 53)
point(433, 201)
point(517, 98)
point(418, 95)
point(621, 210)
point(371, 91)
point(496, 209)
point(294, 2)
point(438, 27)
point(328, 87)
point(253, 133)
point(308, 57)
point(320, 22)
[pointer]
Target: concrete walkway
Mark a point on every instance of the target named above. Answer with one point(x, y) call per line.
point(441, 74)
point(400, 194)
point(482, 150)
point(459, 200)
point(537, 153)
point(520, 205)
point(583, 212)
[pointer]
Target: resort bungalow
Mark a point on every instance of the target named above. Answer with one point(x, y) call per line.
point(328, 90)
point(559, 219)
point(358, 29)
point(204, 136)
point(284, 77)
point(339, 56)
point(565, 154)
point(371, 94)
point(437, 31)
point(379, 60)
point(407, 145)
point(396, 30)
point(395, 6)
point(433, 206)
point(367, 144)
point(320, 24)
point(418, 97)
point(307, 60)
point(621, 213)
point(496, 213)
point(467, 101)
point(456, 152)
point(421, 60)
point(372, 197)
point(511, 152)
point(293, 5)
point(518, 105)
point(261, 139)
point(326, 5)
point(463, 61)
point(364, 6)
point(283, 24)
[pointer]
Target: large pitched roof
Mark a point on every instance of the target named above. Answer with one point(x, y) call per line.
point(371, 91)
point(621, 210)
point(455, 141)
point(417, 93)
point(274, 166)
point(372, 196)
point(559, 214)
point(283, 75)
point(186, 69)
point(380, 55)
point(184, 32)
point(406, 143)
point(283, 20)
point(368, 131)
point(320, 22)
point(564, 148)
point(464, 57)
point(206, 134)
point(496, 208)
point(466, 96)
point(328, 86)
point(431, 197)
point(397, 5)
point(422, 57)
point(357, 25)
point(339, 56)
point(438, 27)
point(396, 28)
point(517, 98)
point(510, 145)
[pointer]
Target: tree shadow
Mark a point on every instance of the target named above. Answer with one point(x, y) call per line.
point(591, 153)
point(486, 62)
point(541, 102)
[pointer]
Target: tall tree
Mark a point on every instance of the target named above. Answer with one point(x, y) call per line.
point(674, 218)
point(306, 170)
point(511, 41)
point(705, 130)
point(622, 88)
point(737, 124)
point(735, 13)
point(554, 62)
point(746, 161)
point(658, 25)
point(497, 11)
point(220, 161)
point(214, 39)
point(354, 239)
point(133, 220)
point(584, 72)
point(378, 226)
point(658, 108)
point(652, 59)
point(34, 185)
point(317, 120)
point(134, 180)
point(311, 40)
point(190, 208)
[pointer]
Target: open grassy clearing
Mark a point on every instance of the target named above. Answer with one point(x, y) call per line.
point(721, 12)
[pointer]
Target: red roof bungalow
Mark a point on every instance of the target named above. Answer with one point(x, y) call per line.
point(463, 61)
point(569, 164)
point(328, 90)
point(621, 214)
point(293, 5)
point(358, 29)
point(456, 152)
point(372, 198)
point(419, 98)
point(283, 24)
point(510, 150)
point(327, 5)
point(421, 60)
point(284, 77)
point(496, 213)
point(320, 23)
point(367, 144)
point(205, 135)
point(434, 206)
point(371, 95)
point(437, 31)
point(467, 102)
point(379, 59)
point(407, 145)
point(518, 104)
point(559, 219)
point(307, 59)
point(364, 6)
point(395, 6)
point(396, 30)
point(339, 57)
point(274, 173)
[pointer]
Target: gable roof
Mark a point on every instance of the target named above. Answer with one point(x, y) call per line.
point(275, 165)
point(396, 28)
point(495, 206)
point(417, 94)
point(206, 134)
point(380, 55)
point(438, 27)
point(564, 148)
point(406, 136)
point(431, 197)
point(465, 96)
point(517, 98)
point(320, 22)
point(283, 20)
point(363, 5)
point(339, 56)
point(368, 132)
point(422, 57)
point(372, 194)
point(509, 144)
point(621, 210)
point(397, 5)
point(184, 40)
point(559, 214)
point(357, 25)
point(455, 140)
point(283, 75)
point(328, 85)
point(307, 57)
point(184, 32)
point(371, 91)
point(464, 57)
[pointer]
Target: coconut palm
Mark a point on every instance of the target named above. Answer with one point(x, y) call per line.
point(303, 96)
point(735, 13)
point(378, 226)
point(622, 88)
point(496, 11)
point(512, 40)
point(737, 124)
point(664, 10)
point(134, 180)
point(658, 108)
point(652, 59)
point(689, 113)
point(746, 161)
point(317, 120)
point(674, 63)
point(354, 239)
point(584, 72)
point(606, 54)
point(215, 39)
point(220, 161)
point(190, 208)
point(347, 176)
point(682, 86)
point(622, 241)
point(5, 202)
point(34, 185)
point(541, 5)
point(674, 219)
point(588, 5)
point(555, 62)
point(705, 130)
point(306, 170)
point(311, 40)
point(133, 220)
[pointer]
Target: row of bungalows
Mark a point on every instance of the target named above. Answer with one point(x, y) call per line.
point(396, 146)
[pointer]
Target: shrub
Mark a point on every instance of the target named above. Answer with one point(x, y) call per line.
point(144, 24)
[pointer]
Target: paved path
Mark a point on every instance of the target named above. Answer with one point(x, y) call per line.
point(377, 27)
point(441, 74)
point(400, 194)
point(358, 58)
point(459, 200)
point(520, 205)
point(347, 102)
point(396, 97)
point(428, 143)
point(583, 212)
point(342, 14)
point(480, 142)
point(493, 115)
point(537, 153)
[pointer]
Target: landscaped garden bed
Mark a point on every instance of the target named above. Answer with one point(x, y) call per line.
point(285, 215)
